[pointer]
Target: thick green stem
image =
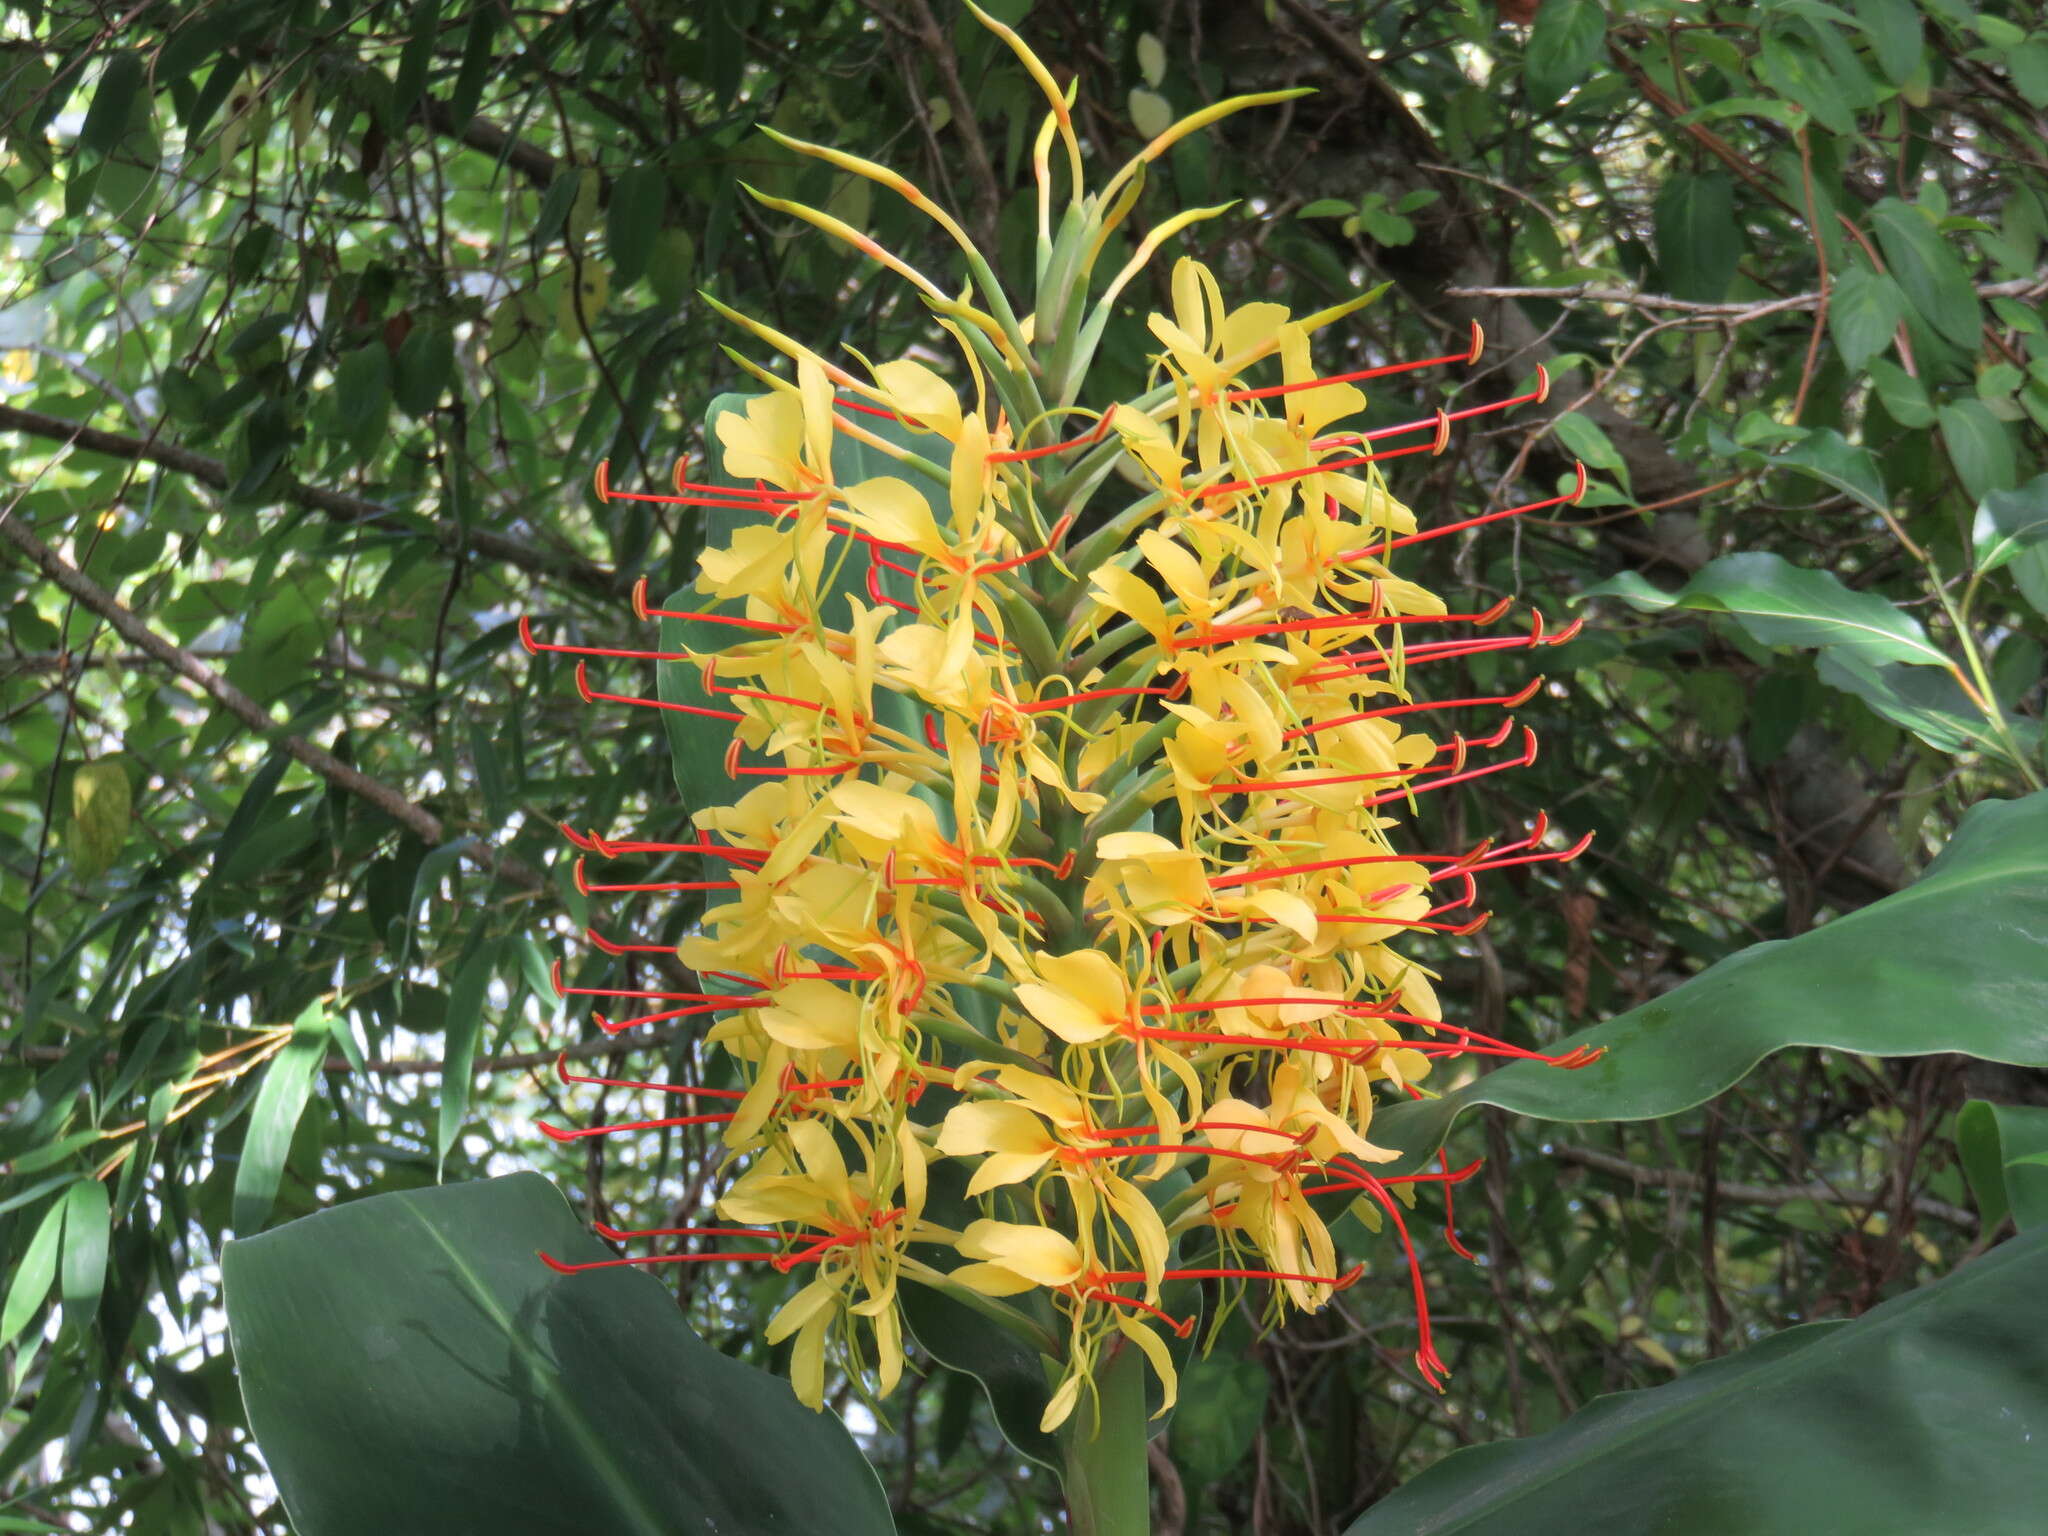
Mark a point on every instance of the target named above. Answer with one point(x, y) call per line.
point(1108, 1493)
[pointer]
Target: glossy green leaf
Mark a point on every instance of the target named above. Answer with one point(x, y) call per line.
point(411, 1368)
point(88, 1214)
point(1951, 963)
point(1779, 603)
point(2002, 1147)
point(1929, 703)
point(287, 1084)
point(1564, 42)
point(461, 1026)
point(1699, 238)
point(1925, 1414)
point(1932, 276)
point(1864, 310)
point(29, 1286)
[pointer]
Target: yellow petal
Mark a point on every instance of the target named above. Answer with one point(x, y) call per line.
point(1039, 1254)
point(1155, 1351)
point(814, 1016)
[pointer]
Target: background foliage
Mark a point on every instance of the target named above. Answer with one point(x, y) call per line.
point(316, 317)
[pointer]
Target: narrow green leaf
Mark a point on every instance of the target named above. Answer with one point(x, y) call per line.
point(477, 57)
point(34, 1275)
point(101, 806)
point(411, 1368)
point(113, 103)
point(462, 1025)
point(88, 1214)
point(422, 27)
point(634, 217)
point(1933, 277)
point(1922, 1415)
point(287, 1084)
point(1567, 37)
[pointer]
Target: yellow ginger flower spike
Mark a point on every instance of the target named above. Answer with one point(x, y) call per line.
point(1058, 833)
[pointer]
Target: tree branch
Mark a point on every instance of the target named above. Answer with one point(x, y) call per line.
point(415, 818)
point(336, 506)
point(1754, 1194)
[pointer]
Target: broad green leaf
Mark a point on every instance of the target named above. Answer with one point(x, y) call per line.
point(1929, 703)
point(1979, 446)
point(29, 1286)
point(1922, 1415)
point(2002, 1147)
point(1699, 238)
point(83, 1273)
point(1779, 603)
point(1222, 1406)
point(411, 1368)
point(1933, 277)
point(100, 810)
point(1828, 456)
point(1951, 963)
point(1864, 310)
point(1566, 39)
point(423, 369)
point(1584, 438)
point(460, 1028)
point(287, 1083)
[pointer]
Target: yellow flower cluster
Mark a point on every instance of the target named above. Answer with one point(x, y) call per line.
point(1070, 760)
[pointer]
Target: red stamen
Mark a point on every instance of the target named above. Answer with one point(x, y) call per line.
point(562, 1071)
point(1375, 551)
point(587, 889)
point(1513, 700)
